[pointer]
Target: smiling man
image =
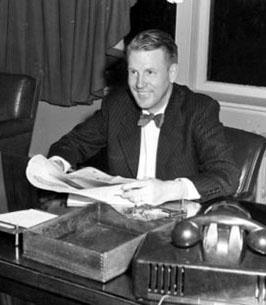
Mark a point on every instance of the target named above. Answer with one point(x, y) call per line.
point(150, 78)
point(157, 131)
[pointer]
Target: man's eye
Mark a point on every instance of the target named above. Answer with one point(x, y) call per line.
point(132, 72)
point(149, 72)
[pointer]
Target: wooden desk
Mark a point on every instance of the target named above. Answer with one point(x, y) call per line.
point(42, 284)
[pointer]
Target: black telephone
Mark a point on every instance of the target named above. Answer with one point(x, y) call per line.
point(224, 229)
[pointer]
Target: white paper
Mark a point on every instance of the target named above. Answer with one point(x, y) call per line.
point(74, 200)
point(25, 218)
point(175, 1)
point(87, 182)
point(85, 186)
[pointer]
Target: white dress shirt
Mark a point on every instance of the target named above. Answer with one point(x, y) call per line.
point(148, 153)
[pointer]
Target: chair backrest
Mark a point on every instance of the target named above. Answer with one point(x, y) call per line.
point(248, 151)
point(18, 94)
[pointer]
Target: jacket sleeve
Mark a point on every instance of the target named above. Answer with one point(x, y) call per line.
point(218, 172)
point(84, 141)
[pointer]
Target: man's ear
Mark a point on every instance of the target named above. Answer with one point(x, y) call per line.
point(173, 72)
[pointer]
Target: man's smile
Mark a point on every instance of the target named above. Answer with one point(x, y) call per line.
point(143, 93)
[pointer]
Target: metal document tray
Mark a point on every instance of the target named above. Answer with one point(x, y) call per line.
point(95, 242)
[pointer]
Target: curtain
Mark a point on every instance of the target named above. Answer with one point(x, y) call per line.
point(63, 43)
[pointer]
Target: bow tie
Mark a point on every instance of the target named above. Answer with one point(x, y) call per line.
point(146, 118)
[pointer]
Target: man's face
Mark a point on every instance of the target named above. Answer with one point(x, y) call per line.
point(150, 78)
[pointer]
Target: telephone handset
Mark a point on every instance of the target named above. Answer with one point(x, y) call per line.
point(223, 229)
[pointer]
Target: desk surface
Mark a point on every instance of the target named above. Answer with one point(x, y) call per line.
point(43, 284)
point(46, 285)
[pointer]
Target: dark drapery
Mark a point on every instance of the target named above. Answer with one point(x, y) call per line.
point(62, 42)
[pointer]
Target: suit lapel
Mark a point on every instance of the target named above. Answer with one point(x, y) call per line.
point(129, 138)
point(171, 133)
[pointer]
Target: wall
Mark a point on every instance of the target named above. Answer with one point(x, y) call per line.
point(53, 121)
point(247, 117)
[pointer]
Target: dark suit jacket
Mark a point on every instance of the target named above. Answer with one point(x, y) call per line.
point(191, 142)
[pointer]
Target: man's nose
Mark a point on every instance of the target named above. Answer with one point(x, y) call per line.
point(140, 81)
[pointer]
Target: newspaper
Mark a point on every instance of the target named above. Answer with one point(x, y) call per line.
point(89, 185)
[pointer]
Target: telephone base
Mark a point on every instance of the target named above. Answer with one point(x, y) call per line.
point(160, 268)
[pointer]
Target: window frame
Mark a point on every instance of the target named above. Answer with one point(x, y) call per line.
point(196, 63)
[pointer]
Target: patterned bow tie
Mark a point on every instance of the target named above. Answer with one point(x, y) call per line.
point(146, 118)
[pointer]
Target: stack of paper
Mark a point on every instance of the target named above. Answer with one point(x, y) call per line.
point(24, 218)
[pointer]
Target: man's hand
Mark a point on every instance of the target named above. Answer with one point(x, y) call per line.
point(153, 191)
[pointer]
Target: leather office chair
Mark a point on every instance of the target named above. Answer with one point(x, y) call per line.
point(19, 95)
point(18, 104)
point(248, 151)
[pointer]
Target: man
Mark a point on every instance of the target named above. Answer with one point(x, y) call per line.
point(185, 157)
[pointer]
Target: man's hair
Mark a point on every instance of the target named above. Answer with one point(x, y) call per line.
point(154, 39)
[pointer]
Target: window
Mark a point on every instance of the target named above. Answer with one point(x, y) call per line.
point(149, 14)
point(228, 44)
point(237, 42)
